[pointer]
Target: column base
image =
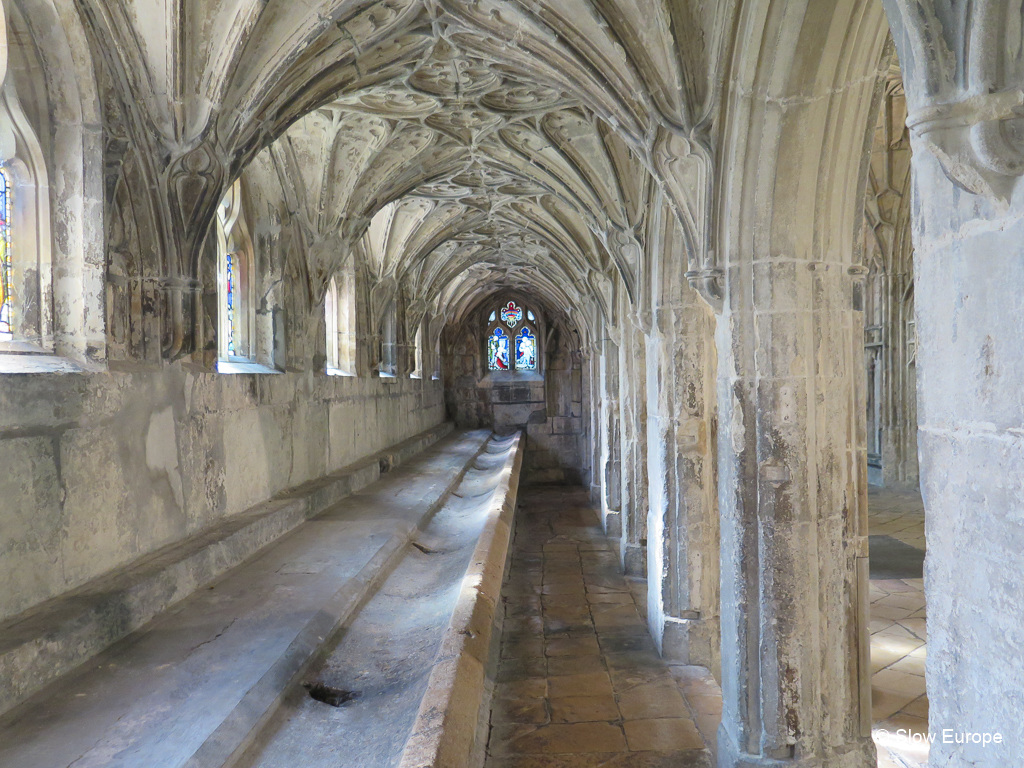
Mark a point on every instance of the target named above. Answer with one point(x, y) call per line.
point(858, 754)
point(634, 560)
point(691, 641)
point(612, 521)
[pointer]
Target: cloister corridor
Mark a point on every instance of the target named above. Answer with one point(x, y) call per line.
point(511, 383)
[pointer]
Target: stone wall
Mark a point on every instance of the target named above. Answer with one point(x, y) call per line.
point(551, 404)
point(99, 469)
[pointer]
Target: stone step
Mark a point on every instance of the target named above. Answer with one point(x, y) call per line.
point(191, 687)
point(48, 640)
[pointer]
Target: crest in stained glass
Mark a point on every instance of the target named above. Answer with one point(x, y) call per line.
point(511, 315)
point(6, 302)
point(526, 350)
point(497, 350)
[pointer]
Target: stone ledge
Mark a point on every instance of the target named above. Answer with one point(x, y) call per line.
point(46, 641)
point(447, 731)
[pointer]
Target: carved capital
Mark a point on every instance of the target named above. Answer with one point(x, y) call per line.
point(978, 140)
point(964, 82)
point(710, 284)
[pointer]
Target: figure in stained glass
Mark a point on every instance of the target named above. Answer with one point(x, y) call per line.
point(497, 350)
point(526, 350)
point(6, 299)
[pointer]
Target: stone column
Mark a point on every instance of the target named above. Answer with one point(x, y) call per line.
point(969, 270)
point(632, 399)
point(682, 527)
point(792, 465)
point(611, 441)
point(793, 504)
point(968, 232)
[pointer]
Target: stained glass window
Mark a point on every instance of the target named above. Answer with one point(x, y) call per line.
point(511, 315)
point(6, 300)
point(497, 350)
point(530, 317)
point(526, 350)
point(230, 273)
point(493, 317)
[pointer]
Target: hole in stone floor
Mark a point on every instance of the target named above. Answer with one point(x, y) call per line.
point(328, 695)
point(424, 550)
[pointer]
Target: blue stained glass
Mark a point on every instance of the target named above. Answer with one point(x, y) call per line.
point(497, 351)
point(6, 303)
point(526, 350)
point(231, 304)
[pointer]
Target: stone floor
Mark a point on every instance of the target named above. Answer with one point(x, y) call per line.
point(898, 639)
point(580, 683)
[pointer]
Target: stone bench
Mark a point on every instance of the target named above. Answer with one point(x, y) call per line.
point(50, 639)
point(195, 686)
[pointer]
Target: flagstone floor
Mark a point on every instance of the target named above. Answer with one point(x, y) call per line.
point(581, 685)
point(898, 639)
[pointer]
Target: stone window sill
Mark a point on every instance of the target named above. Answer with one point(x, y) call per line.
point(241, 366)
point(20, 363)
point(339, 372)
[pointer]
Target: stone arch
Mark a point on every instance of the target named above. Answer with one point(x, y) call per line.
point(56, 114)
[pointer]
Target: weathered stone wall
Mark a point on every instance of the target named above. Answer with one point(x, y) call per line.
point(100, 469)
point(551, 404)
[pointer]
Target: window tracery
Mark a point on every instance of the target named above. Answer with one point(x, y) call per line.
point(236, 276)
point(511, 342)
point(6, 290)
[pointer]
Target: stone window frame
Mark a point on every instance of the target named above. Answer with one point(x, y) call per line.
point(492, 308)
point(233, 237)
point(21, 157)
point(340, 322)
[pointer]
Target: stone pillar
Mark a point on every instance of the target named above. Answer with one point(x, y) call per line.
point(632, 399)
point(792, 465)
point(969, 270)
point(593, 409)
point(968, 232)
point(682, 528)
point(611, 441)
point(793, 504)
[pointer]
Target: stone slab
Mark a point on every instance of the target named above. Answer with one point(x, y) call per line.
point(41, 644)
point(189, 687)
point(446, 731)
point(393, 649)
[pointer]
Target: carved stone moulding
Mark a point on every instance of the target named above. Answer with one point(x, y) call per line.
point(978, 140)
